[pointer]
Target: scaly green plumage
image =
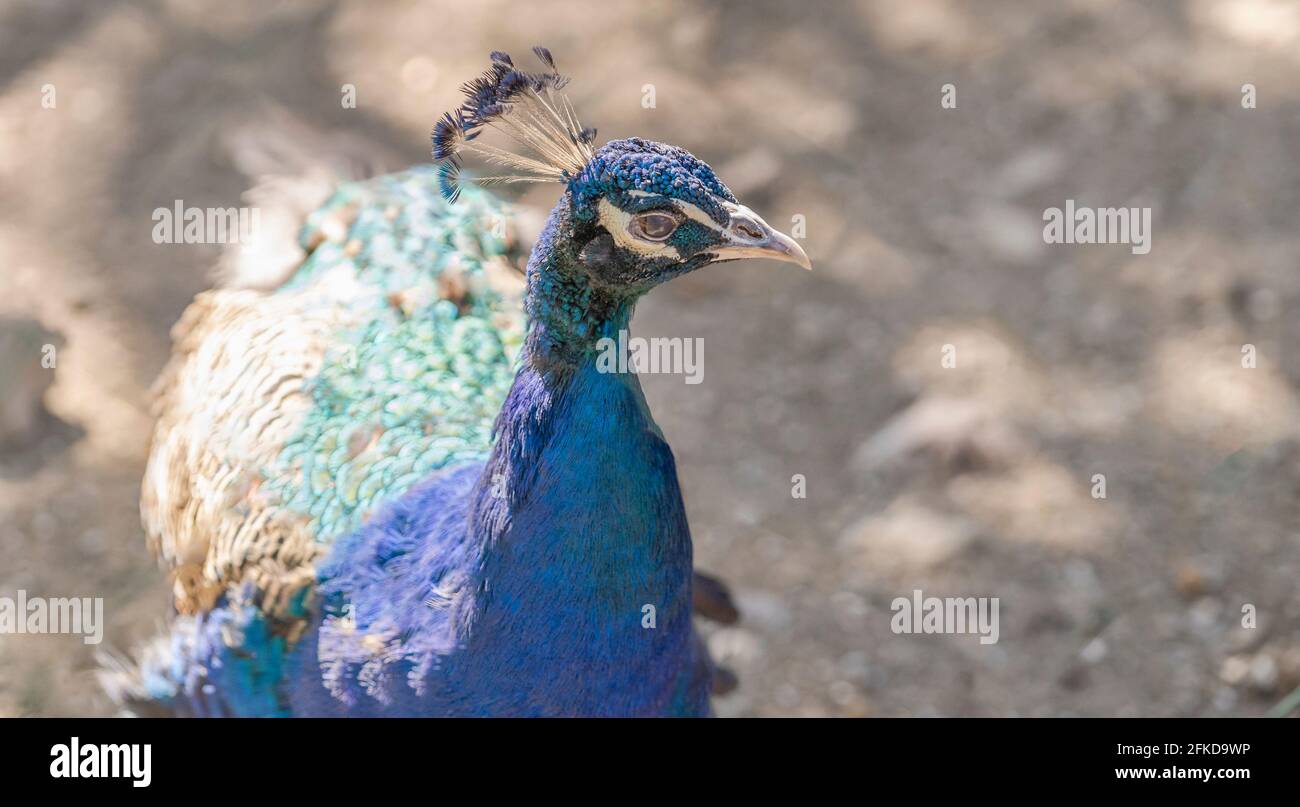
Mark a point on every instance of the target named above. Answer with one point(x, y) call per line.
point(416, 387)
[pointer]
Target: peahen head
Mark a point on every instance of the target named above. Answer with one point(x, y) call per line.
point(634, 212)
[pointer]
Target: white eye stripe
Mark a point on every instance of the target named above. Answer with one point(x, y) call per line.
point(699, 215)
point(687, 209)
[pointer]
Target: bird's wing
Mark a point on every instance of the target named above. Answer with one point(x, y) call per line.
point(287, 415)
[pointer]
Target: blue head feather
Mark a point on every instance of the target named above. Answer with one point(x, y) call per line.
point(645, 165)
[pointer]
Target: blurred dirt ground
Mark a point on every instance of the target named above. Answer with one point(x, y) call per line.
point(924, 225)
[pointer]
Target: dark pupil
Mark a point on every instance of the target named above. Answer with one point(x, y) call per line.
point(657, 227)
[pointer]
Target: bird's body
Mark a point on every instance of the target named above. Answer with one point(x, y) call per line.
point(287, 415)
point(379, 492)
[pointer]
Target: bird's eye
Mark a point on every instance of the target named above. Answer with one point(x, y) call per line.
point(654, 226)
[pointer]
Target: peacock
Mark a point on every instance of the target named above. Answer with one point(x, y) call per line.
point(397, 481)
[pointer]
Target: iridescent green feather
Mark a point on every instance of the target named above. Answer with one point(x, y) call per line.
point(416, 387)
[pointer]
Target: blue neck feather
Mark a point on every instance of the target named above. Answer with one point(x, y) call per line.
point(567, 316)
point(579, 505)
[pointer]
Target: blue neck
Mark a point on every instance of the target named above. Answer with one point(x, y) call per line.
point(578, 509)
point(567, 316)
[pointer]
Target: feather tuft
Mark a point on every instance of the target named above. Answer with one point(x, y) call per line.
point(530, 109)
point(449, 180)
point(544, 54)
point(448, 136)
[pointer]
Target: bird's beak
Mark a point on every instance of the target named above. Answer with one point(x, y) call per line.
point(748, 236)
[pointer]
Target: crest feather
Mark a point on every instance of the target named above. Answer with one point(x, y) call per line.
point(530, 109)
